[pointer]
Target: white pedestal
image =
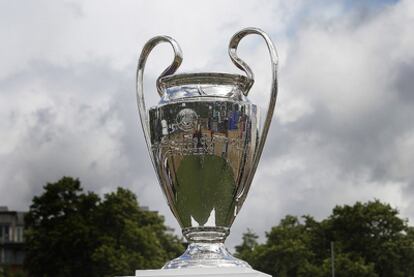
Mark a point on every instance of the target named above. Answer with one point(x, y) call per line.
point(204, 272)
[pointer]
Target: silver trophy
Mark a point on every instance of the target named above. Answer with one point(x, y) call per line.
point(205, 143)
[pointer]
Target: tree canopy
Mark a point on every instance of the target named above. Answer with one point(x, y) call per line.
point(369, 239)
point(75, 233)
point(70, 232)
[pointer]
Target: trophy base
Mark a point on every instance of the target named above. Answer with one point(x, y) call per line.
point(206, 255)
point(205, 272)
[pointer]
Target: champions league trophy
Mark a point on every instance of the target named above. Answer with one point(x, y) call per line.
point(205, 143)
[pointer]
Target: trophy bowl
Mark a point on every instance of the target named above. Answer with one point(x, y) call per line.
point(205, 143)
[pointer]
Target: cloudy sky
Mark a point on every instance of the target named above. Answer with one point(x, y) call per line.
point(343, 130)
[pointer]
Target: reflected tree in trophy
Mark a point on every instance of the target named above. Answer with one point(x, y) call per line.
point(205, 143)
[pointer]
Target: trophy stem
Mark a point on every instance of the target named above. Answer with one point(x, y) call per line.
point(205, 255)
point(206, 234)
point(206, 249)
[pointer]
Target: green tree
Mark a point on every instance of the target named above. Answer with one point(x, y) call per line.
point(347, 265)
point(371, 240)
point(246, 249)
point(6, 271)
point(130, 238)
point(374, 231)
point(60, 233)
point(286, 252)
point(73, 233)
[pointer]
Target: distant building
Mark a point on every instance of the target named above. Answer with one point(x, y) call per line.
point(11, 238)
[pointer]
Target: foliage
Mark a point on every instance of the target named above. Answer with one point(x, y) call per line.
point(349, 265)
point(370, 240)
point(73, 233)
point(9, 271)
point(248, 245)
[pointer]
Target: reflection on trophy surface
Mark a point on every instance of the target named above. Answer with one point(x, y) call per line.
point(203, 151)
point(205, 143)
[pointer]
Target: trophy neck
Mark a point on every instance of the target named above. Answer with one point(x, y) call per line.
point(206, 234)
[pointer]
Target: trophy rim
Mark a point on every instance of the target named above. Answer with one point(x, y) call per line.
point(205, 78)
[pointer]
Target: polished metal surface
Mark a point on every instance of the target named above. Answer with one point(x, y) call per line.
point(205, 144)
point(207, 255)
point(204, 151)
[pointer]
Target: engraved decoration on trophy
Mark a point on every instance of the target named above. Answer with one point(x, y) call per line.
point(187, 120)
point(205, 143)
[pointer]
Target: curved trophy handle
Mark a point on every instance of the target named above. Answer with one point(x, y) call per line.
point(234, 42)
point(178, 57)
